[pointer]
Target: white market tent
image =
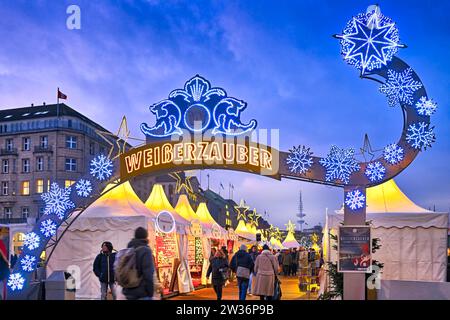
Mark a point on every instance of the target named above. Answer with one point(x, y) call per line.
point(413, 240)
point(113, 217)
point(290, 241)
point(158, 202)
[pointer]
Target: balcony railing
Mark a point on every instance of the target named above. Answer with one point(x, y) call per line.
point(12, 220)
point(43, 149)
point(9, 151)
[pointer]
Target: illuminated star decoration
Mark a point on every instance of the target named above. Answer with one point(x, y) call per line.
point(271, 231)
point(277, 234)
point(253, 218)
point(241, 210)
point(290, 227)
point(120, 139)
point(367, 150)
point(184, 183)
point(369, 41)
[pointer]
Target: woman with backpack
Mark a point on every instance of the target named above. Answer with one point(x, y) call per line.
point(266, 267)
point(219, 270)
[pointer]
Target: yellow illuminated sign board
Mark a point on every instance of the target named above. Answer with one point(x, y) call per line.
point(174, 155)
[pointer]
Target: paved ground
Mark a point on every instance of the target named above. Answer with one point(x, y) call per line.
point(289, 288)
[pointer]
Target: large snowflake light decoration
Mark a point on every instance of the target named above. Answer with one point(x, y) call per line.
point(28, 263)
point(299, 159)
point(393, 153)
point(375, 171)
point(400, 87)
point(57, 200)
point(15, 281)
point(84, 188)
point(31, 241)
point(339, 164)
point(420, 135)
point(48, 228)
point(355, 199)
point(101, 167)
point(426, 107)
point(369, 41)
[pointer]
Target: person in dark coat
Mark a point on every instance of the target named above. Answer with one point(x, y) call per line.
point(104, 270)
point(242, 259)
point(144, 265)
point(294, 265)
point(218, 267)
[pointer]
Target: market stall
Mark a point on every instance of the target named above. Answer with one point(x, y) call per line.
point(413, 240)
point(171, 244)
point(195, 244)
point(214, 236)
point(113, 217)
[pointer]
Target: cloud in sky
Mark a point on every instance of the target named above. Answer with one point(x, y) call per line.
point(279, 57)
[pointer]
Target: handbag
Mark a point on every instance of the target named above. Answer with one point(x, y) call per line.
point(277, 289)
point(242, 272)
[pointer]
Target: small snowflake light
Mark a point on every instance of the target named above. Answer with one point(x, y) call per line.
point(400, 87)
point(426, 107)
point(57, 201)
point(355, 199)
point(84, 188)
point(393, 153)
point(48, 228)
point(369, 41)
point(15, 281)
point(28, 263)
point(31, 241)
point(101, 167)
point(299, 159)
point(420, 135)
point(339, 164)
point(375, 171)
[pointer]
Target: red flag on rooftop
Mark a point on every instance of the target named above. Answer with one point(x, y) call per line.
point(61, 95)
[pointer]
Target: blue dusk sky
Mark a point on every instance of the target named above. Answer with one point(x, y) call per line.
point(279, 56)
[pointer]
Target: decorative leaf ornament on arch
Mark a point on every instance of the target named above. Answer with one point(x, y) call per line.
point(369, 42)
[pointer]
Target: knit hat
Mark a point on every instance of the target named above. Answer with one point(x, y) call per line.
point(265, 247)
point(243, 247)
point(141, 233)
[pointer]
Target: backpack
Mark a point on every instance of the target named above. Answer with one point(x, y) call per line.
point(125, 268)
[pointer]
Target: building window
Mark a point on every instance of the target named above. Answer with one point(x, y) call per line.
point(44, 142)
point(71, 142)
point(39, 185)
point(48, 185)
point(102, 150)
point(71, 164)
point(69, 123)
point(25, 212)
point(26, 143)
point(92, 148)
point(26, 188)
point(49, 163)
point(5, 188)
point(68, 183)
point(5, 166)
point(40, 164)
point(9, 144)
point(7, 212)
point(26, 165)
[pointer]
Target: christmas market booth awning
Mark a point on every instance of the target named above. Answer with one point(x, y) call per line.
point(184, 209)
point(276, 244)
point(157, 202)
point(209, 224)
point(243, 232)
point(290, 241)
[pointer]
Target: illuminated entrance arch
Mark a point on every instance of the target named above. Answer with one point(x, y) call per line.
point(369, 42)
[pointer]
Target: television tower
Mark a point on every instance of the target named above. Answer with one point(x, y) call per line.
point(301, 214)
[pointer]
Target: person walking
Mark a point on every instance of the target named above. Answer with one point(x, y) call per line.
point(287, 260)
point(295, 257)
point(242, 265)
point(219, 270)
point(145, 267)
point(104, 270)
point(253, 253)
point(266, 266)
